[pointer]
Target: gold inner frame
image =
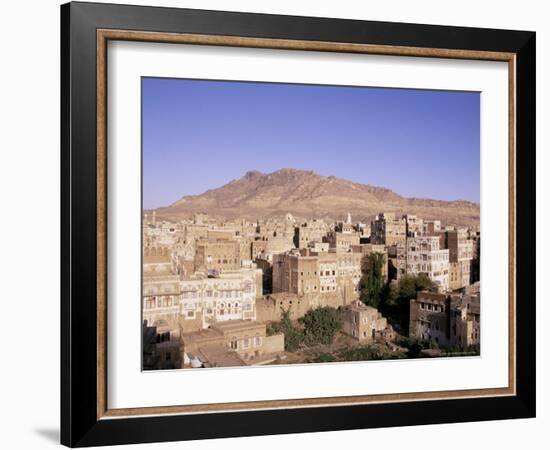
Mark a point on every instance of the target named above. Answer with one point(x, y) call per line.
point(104, 35)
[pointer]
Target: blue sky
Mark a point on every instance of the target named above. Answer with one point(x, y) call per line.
point(199, 135)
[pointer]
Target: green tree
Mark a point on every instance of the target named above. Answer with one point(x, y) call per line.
point(294, 336)
point(321, 325)
point(396, 300)
point(409, 285)
point(372, 283)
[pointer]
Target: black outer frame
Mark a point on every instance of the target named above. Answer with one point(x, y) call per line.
point(79, 423)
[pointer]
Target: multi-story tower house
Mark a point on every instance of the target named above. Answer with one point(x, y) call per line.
point(448, 320)
point(424, 256)
point(310, 232)
point(415, 225)
point(388, 230)
point(217, 255)
point(296, 272)
point(461, 252)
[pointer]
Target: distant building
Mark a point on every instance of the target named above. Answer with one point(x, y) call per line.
point(431, 227)
point(161, 349)
point(429, 317)
point(229, 296)
point(217, 255)
point(365, 323)
point(276, 228)
point(149, 342)
point(265, 248)
point(296, 273)
point(389, 230)
point(161, 291)
point(475, 269)
point(342, 241)
point(176, 304)
point(397, 261)
point(319, 247)
point(367, 249)
point(415, 225)
point(461, 252)
point(272, 307)
point(424, 256)
point(446, 319)
point(364, 230)
point(310, 232)
point(318, 275)
point(236, 343)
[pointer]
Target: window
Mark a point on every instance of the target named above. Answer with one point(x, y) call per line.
point(257, 341)
point(168, 356)
point(190, 313)
point(234, 344)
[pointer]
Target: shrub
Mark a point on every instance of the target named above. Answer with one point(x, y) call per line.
point(326, 357)
point(294, 336)
point(321, 325)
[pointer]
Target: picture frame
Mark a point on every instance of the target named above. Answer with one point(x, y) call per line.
point(86, 418)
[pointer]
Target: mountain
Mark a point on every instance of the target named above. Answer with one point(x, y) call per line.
point(307, 195)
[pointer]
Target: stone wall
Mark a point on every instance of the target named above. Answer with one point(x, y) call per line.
point(274, 344)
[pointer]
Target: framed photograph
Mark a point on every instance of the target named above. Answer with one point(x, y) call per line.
point(277, 224)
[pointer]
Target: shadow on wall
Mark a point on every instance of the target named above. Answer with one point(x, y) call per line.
point(49, 434)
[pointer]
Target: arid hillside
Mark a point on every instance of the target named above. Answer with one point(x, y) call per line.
point(306, 195)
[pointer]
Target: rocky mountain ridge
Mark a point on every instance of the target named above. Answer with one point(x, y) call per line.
point(308, 195)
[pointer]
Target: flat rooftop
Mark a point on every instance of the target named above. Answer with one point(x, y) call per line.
point(236, 325)
point(220, 356)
